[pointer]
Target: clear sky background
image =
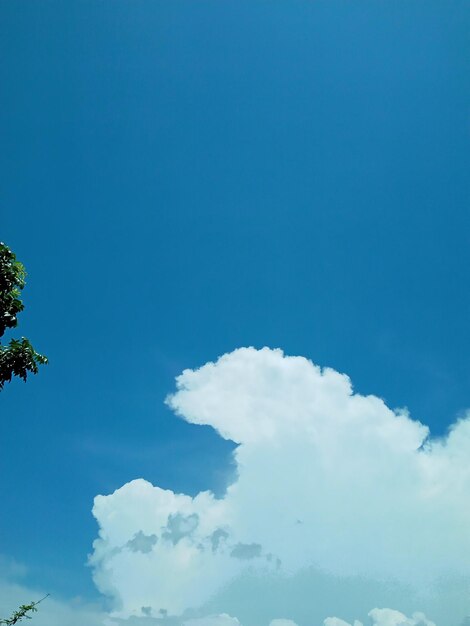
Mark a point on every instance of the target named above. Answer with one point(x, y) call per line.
point(184, 178)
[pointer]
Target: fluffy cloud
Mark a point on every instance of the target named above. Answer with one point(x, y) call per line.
point(334, 490)
point(385, 617)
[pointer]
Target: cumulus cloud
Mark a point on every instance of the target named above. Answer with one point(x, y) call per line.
point(385, 617)
point(334, 491)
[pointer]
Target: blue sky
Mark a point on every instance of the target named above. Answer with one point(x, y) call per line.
point(185, 178)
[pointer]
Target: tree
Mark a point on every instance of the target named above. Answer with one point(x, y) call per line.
point(18, 358)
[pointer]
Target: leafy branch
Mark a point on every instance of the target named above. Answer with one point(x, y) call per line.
point(22, 613)
point(18, 358)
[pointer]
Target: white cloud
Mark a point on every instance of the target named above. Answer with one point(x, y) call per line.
point(388, 617)
point(213, 620)
point(385, 617)
point(335, 621)
point(331, 485)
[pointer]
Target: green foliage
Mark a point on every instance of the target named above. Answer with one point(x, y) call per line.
point(22, 613)
point(18, 358)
